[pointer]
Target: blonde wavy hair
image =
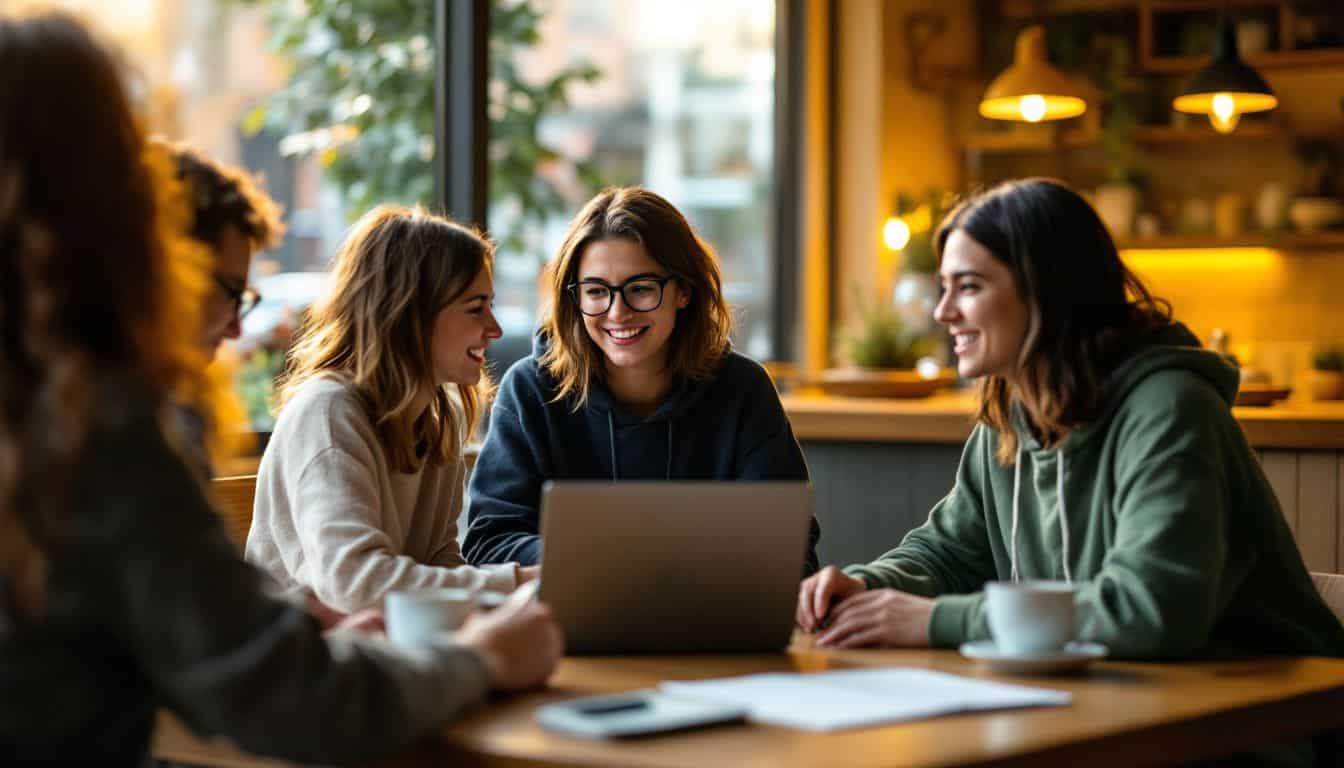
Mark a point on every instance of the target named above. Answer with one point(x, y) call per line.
point(632, 213)
point(98, 275)
point(396, 269)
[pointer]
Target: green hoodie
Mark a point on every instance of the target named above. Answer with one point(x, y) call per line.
point(1165, 524)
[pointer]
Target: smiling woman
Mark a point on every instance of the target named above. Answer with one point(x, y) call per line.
point(360, 488)
point(631, 378)
point(1105, 456)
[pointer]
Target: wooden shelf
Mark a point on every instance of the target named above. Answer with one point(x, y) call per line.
point(1289, 241)
point(1321, 57)
point(1031, 9)
point(1198, 131)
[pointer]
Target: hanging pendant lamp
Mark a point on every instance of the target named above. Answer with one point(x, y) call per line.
point(1031, 90)
point(1227, 87)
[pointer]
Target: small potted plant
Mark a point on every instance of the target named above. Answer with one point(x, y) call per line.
point(885, 358)
point(1327, 374)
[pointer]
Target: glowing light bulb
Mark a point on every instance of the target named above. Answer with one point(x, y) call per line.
point(1223, 113)
point(896, 233)
point(1032, 108)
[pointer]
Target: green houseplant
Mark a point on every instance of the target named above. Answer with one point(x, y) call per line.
point(1327, 374)
point(881, 353)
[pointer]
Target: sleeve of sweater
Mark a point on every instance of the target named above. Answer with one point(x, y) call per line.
point(769, 449)
point(949, 553)
point(162, 576)
point(352, 560)
point(505, 490)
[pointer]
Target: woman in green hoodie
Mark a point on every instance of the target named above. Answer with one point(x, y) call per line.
point(1105, 454)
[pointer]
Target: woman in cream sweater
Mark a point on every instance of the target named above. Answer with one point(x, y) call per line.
point(361, 486)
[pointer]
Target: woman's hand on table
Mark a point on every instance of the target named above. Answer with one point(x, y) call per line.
point(520, 641)
point(879, 617)
point(368, 620)
point(819, 591)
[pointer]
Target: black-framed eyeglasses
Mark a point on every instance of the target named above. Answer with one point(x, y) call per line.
point(244, 299)
point(640, 294)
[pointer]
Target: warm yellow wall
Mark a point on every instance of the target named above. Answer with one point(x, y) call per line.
point(815, 268)
point(858, 146)
point(918, 142)
point(1276, 306)
point(890, 136)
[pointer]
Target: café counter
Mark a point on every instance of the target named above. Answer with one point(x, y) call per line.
point(878, 465)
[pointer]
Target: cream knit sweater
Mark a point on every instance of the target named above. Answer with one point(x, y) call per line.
point(332, 517)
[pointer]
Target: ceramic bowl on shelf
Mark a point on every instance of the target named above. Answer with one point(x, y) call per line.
point(883, 382)
point(1260, 394)
point(1313, 214)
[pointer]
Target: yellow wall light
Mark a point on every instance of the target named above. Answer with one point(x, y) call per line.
point(896, 233)
point(1031, 90)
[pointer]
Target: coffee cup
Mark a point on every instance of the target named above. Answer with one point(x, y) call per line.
point(1029, 617)
point(416, 617)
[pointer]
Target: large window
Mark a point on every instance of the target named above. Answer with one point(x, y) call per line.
point(674, 96)
point(202, 74)
point(334, 104)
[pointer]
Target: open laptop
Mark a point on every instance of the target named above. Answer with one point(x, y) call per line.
point(660, 567)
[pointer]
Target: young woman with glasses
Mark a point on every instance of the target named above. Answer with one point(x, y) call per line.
point(631, 378)
point(120, 592)
point(360, 488)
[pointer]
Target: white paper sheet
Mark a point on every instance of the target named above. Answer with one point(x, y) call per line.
point(855, 698)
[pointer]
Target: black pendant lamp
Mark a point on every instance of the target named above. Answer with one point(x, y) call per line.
point(1227, 87)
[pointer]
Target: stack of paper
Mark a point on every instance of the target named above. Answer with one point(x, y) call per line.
point(854, 698)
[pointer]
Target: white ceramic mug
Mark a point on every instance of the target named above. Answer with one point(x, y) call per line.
point(1028, 617)
point(414, 618)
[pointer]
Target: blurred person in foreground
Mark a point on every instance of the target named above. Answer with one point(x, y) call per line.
point(119, 590)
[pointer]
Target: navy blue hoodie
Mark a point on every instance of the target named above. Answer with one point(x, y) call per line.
point(730, 427)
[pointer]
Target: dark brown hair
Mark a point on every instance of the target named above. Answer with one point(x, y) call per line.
point(221, 195)
point(87, 280)
point(396, 269)
point(703, 326)
point(1086, 309)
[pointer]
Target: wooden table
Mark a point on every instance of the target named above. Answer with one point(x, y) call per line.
point(1123, 714)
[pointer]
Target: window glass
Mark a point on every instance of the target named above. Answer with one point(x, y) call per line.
point(677, 97)
point(330, 103)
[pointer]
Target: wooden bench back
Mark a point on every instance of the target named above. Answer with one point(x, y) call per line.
point(234, 496)
point(1331, 587)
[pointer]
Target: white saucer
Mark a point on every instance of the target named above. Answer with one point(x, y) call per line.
point(1070, 658)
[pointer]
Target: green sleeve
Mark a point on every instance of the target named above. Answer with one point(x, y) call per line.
point(950, 553)
point(1155, 595)
point(1157, 592)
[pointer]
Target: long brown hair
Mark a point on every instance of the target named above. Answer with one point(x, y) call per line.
point(397, 268)
point(640, 216)
point(95, 273)
point(1086, 308)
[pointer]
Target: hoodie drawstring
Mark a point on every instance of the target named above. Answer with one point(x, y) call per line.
point(1017, 477)
point(1063, 515)
point(1060, 508)
point(611, 440)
